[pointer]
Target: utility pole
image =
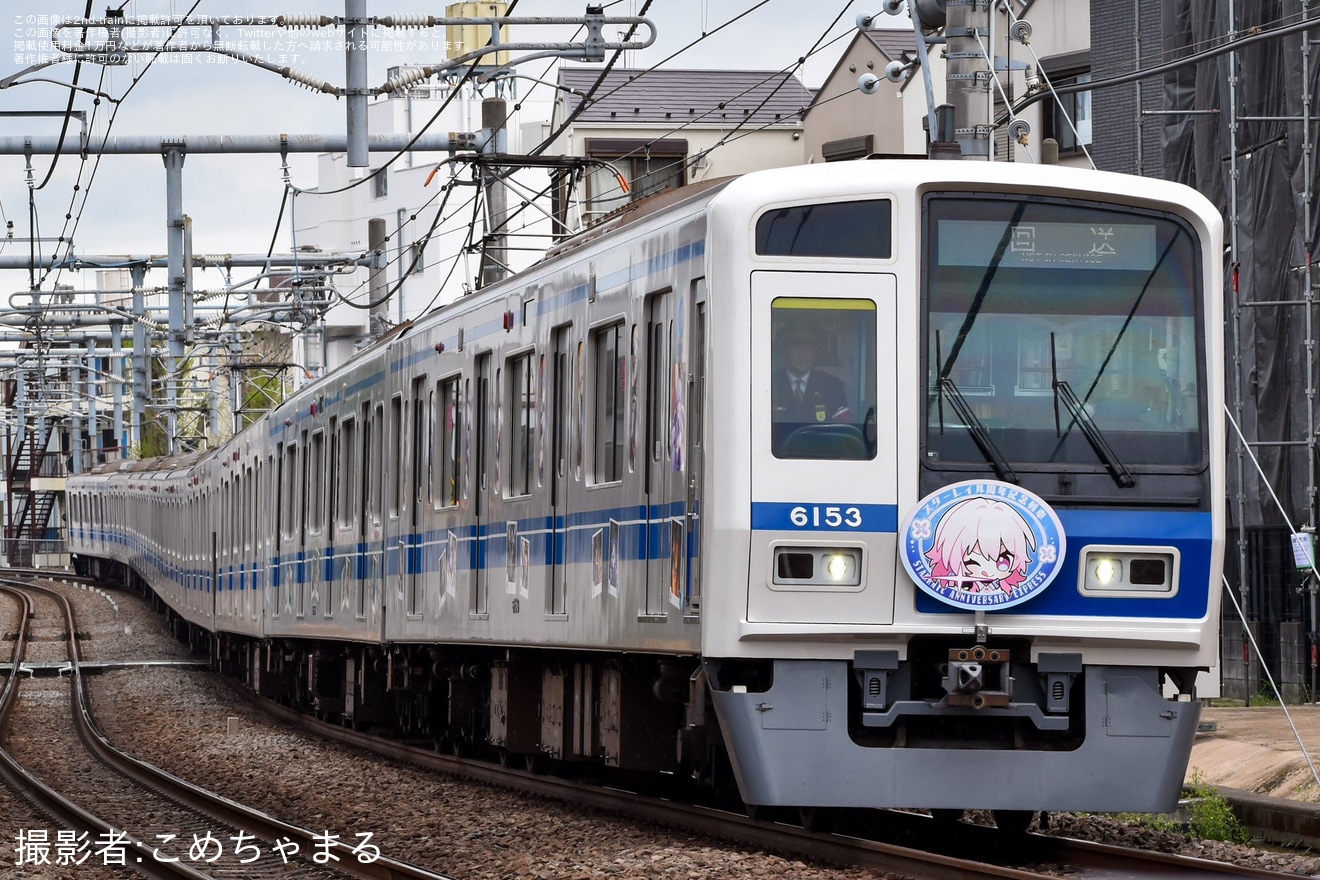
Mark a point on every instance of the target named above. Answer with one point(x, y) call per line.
point(494, 256)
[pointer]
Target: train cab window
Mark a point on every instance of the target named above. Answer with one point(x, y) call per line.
point(823, 380)
point(861, 229)
point(521, 419)
point(448, 443)
point(608, 425)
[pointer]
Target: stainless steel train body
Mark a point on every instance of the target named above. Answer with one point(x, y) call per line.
point(575, 516)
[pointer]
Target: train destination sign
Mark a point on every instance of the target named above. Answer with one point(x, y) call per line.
point(1099, 245)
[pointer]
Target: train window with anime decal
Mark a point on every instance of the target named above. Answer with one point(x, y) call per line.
point(447, 470)
point(822, 384)
point(1060, 335)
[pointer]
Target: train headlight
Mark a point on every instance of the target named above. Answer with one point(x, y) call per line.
point(817, 567)
point(1129, 571)
point(841, 567)
point(1106, 569)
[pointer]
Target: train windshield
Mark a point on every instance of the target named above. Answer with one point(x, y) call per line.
point(1060, 334)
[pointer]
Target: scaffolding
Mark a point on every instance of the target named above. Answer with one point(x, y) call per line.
point(1239, 126)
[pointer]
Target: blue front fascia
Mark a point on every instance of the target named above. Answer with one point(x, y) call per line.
point(1190, 533)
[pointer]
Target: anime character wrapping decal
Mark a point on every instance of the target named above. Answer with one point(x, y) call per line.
point(982, 544)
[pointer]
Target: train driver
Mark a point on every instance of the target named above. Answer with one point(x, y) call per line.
point(801, 393)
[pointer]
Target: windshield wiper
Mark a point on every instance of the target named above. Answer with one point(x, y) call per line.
point(980, 433)
point(1063, 391)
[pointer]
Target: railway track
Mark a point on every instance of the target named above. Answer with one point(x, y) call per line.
point(128, 813)
point(913, 846)
point(933, 850)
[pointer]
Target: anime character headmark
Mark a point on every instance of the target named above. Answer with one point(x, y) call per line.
point(981, 543)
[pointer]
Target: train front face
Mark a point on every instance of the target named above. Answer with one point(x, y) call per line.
point(998, 591)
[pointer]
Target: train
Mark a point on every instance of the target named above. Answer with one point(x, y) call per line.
point(882, 483)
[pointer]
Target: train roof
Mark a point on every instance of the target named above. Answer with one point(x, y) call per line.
point(183, 461)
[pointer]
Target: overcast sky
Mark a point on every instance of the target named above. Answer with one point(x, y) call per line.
point(233, 200)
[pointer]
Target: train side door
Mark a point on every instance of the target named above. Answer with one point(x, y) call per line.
point(317, 535)
point(331, 561)
point(480, 422)
point(369, 521)
point(696, 425)
point(561, 384)
point(300, 520)
point(665, 452)
point(418, 489)
point(280, 570)
point(396, 467)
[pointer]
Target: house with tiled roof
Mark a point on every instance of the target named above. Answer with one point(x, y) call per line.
point(844, 123)
point(651, 130)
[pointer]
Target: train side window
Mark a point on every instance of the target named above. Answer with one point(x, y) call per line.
point(332, 476)
point(423, 447)
point(289, 492)
point(861, 229)
point(316, 486)
point(448, 443)
point(608, 361)
point(395, 458)
point(823, 378)
point(347, 466)
point(375, 444)
point(522, 393)
point(580, 433)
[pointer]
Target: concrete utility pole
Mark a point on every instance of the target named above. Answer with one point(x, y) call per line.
point(494, 256)
point(968, 80)
point(355, 76)
point(178, 282)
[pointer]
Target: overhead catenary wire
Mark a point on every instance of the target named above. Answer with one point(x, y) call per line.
point(437, 228)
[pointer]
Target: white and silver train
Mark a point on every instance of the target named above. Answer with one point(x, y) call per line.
point(880, 483)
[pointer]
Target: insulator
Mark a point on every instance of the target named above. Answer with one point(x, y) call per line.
point(317, 85)
point(406, 77)
point(416, 20)
point(304, 20)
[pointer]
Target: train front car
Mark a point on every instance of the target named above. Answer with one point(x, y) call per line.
point(977, 543)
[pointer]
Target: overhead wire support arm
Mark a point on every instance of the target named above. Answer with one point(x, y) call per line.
point(114, 50)
point(593, 48)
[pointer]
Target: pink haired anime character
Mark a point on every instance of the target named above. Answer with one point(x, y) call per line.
point(980, 543)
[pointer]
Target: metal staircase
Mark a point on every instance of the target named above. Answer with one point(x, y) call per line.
point(34, 477)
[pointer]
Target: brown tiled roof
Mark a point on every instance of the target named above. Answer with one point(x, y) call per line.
point(893, 42)
point(698, 97)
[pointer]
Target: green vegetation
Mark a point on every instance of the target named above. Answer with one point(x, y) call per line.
point(1212, 817)
point(1209, 816)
